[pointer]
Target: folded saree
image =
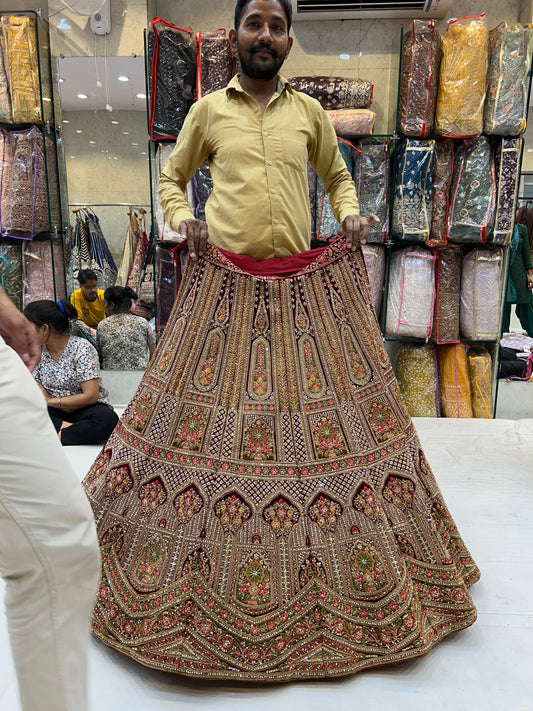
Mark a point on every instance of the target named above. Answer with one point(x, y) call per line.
point(264, 507)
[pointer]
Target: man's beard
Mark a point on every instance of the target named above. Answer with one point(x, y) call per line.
point(255, 70)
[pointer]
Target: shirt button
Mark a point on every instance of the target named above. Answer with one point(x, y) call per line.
point(269, 162)
point(276, 221)
point(274, 190)
point(266, 133)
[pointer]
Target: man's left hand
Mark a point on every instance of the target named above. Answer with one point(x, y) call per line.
point(355, 229)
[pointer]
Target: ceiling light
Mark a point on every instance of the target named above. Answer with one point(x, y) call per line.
point(116, 122)
point(92, 143)
point(141, 96)
point(78, 130)
point(63, 25)
point(66, 121)
point(82, 96)
point(134, 144)
point(60, 80)
point(123, 78)
point(125, 133)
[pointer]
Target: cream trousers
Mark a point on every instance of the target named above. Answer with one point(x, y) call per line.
point(48, 549)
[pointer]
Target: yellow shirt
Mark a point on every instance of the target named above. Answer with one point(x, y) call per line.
point(259, 205)
point(90, 312)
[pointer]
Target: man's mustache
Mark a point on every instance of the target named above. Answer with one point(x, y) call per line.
point(263, 48)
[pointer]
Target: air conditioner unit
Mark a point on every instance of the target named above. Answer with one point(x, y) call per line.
point(368, 9)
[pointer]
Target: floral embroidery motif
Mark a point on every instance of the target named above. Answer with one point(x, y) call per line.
point(359, 371)
point(261, 321)
point(150, 565)
point(365, 502)
point(232, 511)
point(258, 441)
point(140, 413)
point(313, 376)
point(281, 515)
point(187, 503)
point(152, 494)
point(164, 361)
point(399, 491)
point(405, 545)
point(260, 378)
point(197, 562)
point(113, 537)
point(311, 569)
point(223, 311)
point(190, 430)
point(327, 438)
point(423, 462)
point(325, 512)
point(367, 571)
point(253, 582)
point(119, 480)
point(382, 422)
point(301, 319)
point(206, 375)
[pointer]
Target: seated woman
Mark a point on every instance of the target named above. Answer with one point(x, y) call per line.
point(69, 376)
point(124, 341)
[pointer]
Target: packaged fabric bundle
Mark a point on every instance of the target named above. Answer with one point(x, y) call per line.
point(481, 295)
point(43, 268)
point(172, 61)
point(19, 41)
point(168, 280)
point(202, 183)
point(214, 63)
point(24, 197)
point(507, 169)
point(166, 233)
point(463, 76)
point(472, 192)
point(447, 301)
point(11, 272)
point(311, 182)
point(374, 256)
point(416, 372)
point(421, 57)
point(507, 81)
point(411, 213)
point(335, 92)
point(441, 179)
point(326, 224)
point(370, 173)
point(6, 114)
point(411, 292)
point(454, 381)
point(480, 369)
point(352, 122)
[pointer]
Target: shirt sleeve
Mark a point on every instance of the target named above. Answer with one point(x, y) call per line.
point(329, 165)
point(86, 365)
point(188, 155)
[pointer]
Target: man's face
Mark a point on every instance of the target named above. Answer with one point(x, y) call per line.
point(262, 41)
point(90, 290)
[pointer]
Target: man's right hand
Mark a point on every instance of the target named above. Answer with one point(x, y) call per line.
point(195, 232)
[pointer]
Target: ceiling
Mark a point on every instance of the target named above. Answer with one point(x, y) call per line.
point(97, 78)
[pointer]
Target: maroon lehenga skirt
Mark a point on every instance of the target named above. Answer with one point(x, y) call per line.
point(264, 508)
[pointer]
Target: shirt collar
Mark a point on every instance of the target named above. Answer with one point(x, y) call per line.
point(235, 85)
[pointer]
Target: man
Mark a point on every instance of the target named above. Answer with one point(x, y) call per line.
point(258, 135)
point(88, 300)
point(48, 547)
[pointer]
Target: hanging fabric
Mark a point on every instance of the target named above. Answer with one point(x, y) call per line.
point(43, 270)
point(142, 274)
point(20, 45)
point(128, 252)
point(101, 258)
point(214, 62)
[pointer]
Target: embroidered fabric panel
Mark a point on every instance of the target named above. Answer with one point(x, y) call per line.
point(269, 515)
point(11, 272)
point(507, 164)
point(374, 256)
point(352, 122)
point(441, 178)
point(480, 295)
point(411, 215)
point(416, 370)
point(507, 88)
point(325, 223)
point(215, 62)
point(21, 62)
point(454, 381)
point(480, 369)
point(165, 231)
point(370, 173)
point(447, 304)
point(335, 92)
point(421, 57)
point(42, 270)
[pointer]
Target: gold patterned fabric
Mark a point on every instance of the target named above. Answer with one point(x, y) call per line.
point(480, 368)
point(416, 370)
point(462, 79)
point(454, 381)
point(20, 44)
point(264, 508)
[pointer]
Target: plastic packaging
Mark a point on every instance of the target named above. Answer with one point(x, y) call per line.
point(335, 92)
point(507, 169)
point(454, 381)
point(416, 372)
point(374, 256)
point(480, 369)
point(441, 179)
point(166, 233)
point(21, 66)
point(370, 173)
point(411, 292)
point(11, 272)
point(411, 214)
point(214, 66)
point(326, 224)
point(421, 57)
point(507, 81)
point(172, 61)
point(447, 302)
point(202, 187)
point(43, 270)
point(472, 192)
point(481, 294)
point(463, 76)
point(352, 122)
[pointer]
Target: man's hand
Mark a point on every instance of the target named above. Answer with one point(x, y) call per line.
point(195, 232)
point(355, 229)
point(18, 332)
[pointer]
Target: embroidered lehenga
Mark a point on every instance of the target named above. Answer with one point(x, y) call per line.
point(264, 508)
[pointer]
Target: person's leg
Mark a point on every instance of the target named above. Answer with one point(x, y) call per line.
point(92, 425)
point(48, 549)
point(56, 417)
point(524, 313)
point(506, 317)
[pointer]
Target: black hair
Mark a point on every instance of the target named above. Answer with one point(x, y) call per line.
point(56, 314)
point(121, 298)
point(86, 274)
point(241, 4)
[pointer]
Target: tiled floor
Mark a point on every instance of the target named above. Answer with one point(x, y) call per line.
point(485, 470)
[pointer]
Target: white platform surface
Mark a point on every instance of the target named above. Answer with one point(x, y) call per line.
point(485, 471)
